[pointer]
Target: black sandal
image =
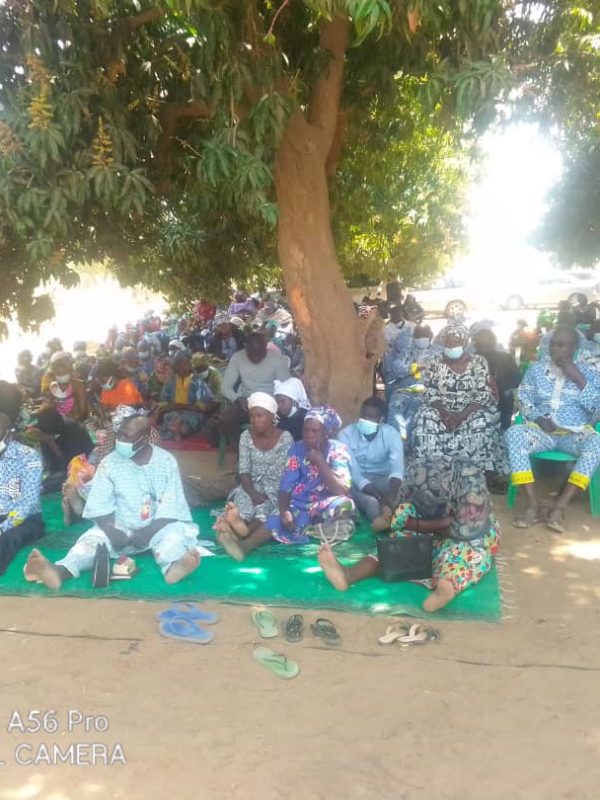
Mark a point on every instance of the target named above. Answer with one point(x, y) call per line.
point(326, 630)
point(101, 568)
point(294, 628)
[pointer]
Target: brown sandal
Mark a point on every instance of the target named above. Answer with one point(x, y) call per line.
point(527, 520)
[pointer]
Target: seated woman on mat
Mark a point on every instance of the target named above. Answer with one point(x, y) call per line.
point(560, 397)
point(116, 390)
point(450, 500)
point(459, 415)
point(262, 459)
point(292, 404)
point(314, 490)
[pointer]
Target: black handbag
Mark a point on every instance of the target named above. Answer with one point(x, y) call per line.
point(404, 558)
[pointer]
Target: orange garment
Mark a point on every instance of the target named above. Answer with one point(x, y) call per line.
point(125, 393)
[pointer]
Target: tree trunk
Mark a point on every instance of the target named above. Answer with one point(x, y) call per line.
point(339, 366)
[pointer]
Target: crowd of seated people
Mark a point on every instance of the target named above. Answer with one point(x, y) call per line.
point(422, 457)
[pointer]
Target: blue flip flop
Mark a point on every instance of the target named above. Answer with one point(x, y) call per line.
point(187, 611)
point(185, 631)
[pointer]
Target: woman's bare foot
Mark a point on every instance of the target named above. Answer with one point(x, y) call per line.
point(184, 567)
point(38, 568)
point(231, 545)
point(236, 522)
point(333, 570)
point(440, 597)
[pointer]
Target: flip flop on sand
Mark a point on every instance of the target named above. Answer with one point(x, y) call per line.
point(528, 519)
point(393, 633)
point(277, 663)
point(294, 628)
point(187, 611)
point(556, 520)
point(418, 634)
point(185, 631)
point(266, 624)
point(326, 630)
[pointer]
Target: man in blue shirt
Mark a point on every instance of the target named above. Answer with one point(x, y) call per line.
point(377, 464)
point(20, 486)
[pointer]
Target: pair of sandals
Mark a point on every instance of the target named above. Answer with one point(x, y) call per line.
point(407, 636)
point(293, 628)
point(553, 517)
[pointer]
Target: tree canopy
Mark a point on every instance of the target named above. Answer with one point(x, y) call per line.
point(146, 132)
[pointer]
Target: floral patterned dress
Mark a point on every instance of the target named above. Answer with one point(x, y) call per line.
point(477, 439)
point(310, 500)
point(265, 468)
point(467, 554)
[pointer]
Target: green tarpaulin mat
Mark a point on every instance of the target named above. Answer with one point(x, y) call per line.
point(277, 575)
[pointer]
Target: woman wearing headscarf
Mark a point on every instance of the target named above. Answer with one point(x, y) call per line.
point(292, 404)
point(459, 415)
point(314, 489)
point(262, 458)
point(62, 390)
point(449, 500)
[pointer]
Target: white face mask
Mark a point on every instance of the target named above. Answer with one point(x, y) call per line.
point(144, 355)
point(422, 344)
point(63, 378)
point(293, 411)
point(454, 353)
point(131, 370)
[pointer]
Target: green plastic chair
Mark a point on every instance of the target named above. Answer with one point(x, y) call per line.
point(558, 455)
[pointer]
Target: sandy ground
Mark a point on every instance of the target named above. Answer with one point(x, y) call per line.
point(489, 711)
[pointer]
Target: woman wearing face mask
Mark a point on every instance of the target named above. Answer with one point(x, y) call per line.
point(116, 390)
point(292, 405)
point(407, 396)
point(459, 415)
point(262, 458)
point(62, 390)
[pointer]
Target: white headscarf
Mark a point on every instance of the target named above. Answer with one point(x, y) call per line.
point(263, 400)
point(294, 389)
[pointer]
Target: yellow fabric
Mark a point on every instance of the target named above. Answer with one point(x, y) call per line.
point(579, 480)
point(521, 478)
point(182, 389)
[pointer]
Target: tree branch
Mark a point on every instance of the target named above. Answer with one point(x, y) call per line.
point(335, 151)
point(169, 119)
point(325, 99)
point(143, 18)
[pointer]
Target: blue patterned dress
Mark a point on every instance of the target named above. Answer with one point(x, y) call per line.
point(310, 500)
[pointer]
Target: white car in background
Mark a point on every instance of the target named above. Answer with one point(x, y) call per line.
point(453, 296)
point(549, 289)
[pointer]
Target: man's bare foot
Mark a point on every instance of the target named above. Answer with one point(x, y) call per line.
point(231, 545)
point(184, 567)
point(236, 523)
point(333, 570)
point(38, 568)
point(440, 597)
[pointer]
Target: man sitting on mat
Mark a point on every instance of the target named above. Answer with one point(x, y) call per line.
point(377, 464)
point(20, 486)
point(136, 503)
